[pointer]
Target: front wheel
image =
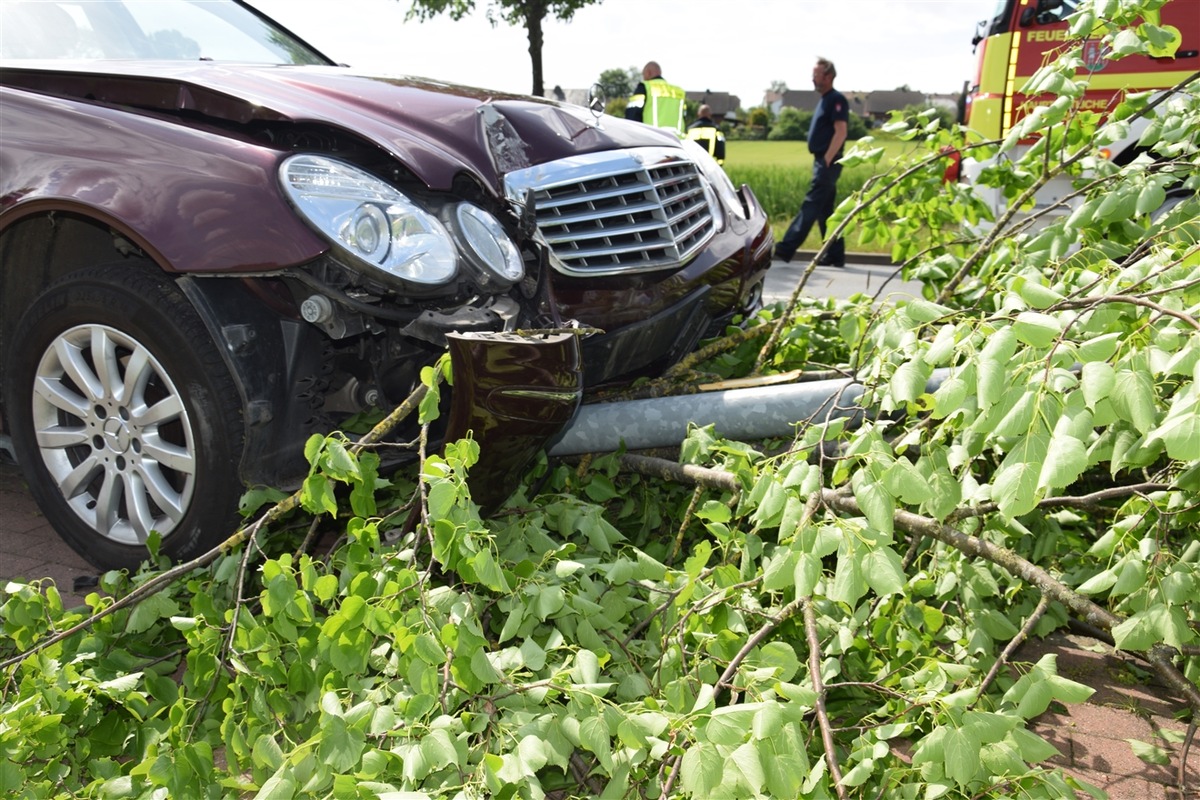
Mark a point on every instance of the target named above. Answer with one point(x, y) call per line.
point(125, 418)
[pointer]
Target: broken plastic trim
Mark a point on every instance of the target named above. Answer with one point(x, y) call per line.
point(512, 393)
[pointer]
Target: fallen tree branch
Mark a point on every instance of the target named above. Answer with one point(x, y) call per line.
point(164, 579)
point(681, 473)
point(1160, 656)
point(814, 672)
point(1084, 502)
point(1018, 640)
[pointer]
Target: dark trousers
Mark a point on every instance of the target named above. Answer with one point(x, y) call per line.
point(817, 207)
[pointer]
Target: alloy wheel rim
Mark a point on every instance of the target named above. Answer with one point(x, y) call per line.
point(114, 433)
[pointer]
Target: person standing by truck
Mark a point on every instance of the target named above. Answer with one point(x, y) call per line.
point(826, 136)
point(656, 102)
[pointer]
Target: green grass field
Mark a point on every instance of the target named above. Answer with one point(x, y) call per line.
point(779, 174)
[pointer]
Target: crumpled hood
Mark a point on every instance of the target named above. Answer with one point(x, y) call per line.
point(435, 129)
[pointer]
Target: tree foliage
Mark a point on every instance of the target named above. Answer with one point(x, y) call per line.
point(619, 83)
point(831, 614)
point(529, 14)
point(793, 123)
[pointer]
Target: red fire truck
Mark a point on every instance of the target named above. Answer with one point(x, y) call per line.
point(1025, 35)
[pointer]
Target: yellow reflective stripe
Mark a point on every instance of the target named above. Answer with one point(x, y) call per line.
point(993, 75)
point(1010, 85)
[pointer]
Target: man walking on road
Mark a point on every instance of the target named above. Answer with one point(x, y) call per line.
point(826, 135)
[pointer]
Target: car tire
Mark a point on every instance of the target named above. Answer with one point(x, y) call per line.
point(124, 417)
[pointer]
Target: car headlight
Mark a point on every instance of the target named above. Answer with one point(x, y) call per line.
point(488, 248)
point(370, 219)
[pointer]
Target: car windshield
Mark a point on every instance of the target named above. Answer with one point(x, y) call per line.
point(177, 30)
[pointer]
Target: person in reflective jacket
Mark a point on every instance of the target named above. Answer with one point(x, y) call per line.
point(656, 102)
point(706, 132)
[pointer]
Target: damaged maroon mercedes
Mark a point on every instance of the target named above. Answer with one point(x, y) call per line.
point(215, 242)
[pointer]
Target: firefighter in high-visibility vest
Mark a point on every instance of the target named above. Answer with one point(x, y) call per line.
point(706, 132)
point(656, 102)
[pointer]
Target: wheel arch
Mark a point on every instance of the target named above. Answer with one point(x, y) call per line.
point(42, 242)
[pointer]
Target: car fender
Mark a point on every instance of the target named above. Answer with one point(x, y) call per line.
point(196, 200)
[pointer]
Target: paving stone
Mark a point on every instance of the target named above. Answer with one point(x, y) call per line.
point(1121, 787)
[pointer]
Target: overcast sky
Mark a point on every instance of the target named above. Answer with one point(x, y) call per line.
point(738, 46)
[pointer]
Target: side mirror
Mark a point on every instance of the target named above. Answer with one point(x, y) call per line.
point(1041, 13)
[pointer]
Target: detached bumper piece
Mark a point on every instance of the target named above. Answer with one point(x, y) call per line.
point(513, 393)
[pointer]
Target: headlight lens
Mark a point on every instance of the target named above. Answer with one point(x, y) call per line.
point(370, 219)
point(488, 243)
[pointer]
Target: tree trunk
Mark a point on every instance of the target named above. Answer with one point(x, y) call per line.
point(533, 26)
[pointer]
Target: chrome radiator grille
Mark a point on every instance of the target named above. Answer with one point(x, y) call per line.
point(619, 212)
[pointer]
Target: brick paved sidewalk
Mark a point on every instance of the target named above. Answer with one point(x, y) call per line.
point(1129, 704)
point(29, 547)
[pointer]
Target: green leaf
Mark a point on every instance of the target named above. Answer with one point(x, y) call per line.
point(730, 725)
point(1066, 459)
point(341, 746)
point(905, 483)
point(442, 497)
point(807, 573)
point(1099, 348)
point(779, 571)
point(280, 786)
point(1133, 398)
point(848, 581)
point(925, 311)
point(1150, 753)
point(909, 380)
point(1036, 329)
point(149, 611)
point(1180, 434)
point(483, 669)
point(745, 768)
point(1098, 583)
point(702, 770)
point(1162, 41)
point(338, 462)
point(1033, 748)
point(782, 657)
point(961, 747)
point(884, 571)
point(594, 735)
point(1015, 485)
point(1150, 198)
point(316, 495)
point(439, 750)
point(489, 572)
point(1097, 381)
point(876, 501)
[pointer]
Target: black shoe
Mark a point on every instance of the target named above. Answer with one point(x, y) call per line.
point(784, 255)
point(825, 262)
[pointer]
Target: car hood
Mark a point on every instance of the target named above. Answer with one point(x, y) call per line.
point(437, 130)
